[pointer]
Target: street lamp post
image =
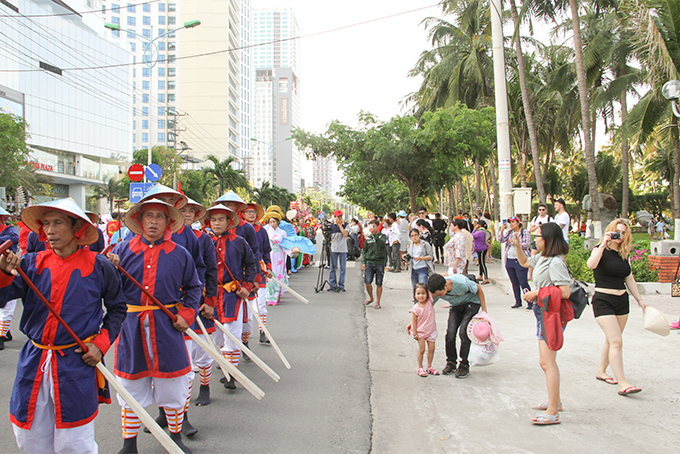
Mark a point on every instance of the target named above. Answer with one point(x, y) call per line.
point(151, 49)
point(671, 91)
point(272, 149)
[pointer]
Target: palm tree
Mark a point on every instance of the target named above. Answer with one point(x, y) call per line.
point(113, 190)
point(265, 195)
point(224, 176)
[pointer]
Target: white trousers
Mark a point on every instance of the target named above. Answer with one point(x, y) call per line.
point(221, 340)
point(7, 312)
point(262, 301)
point(199, 357)
point(166, 392)
point(44, 437)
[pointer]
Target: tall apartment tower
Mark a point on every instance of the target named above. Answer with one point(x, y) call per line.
point(276, 100)
point(322, 173)
point(213, 86)
point(155, 77)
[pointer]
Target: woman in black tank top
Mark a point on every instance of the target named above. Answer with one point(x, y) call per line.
point(612, 272)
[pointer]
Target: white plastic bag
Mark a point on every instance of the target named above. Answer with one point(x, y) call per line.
point(483, 355)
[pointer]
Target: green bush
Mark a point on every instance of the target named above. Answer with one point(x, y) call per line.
point(640, 264)
point(496, 250)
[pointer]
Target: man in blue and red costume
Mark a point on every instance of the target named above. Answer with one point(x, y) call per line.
point(151, 359)
point(247, 231)
point(236, 271)
point(195, 212)
point(56, 395)
point(252, 214)
point(7, 313)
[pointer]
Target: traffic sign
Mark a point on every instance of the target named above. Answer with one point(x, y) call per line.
point(153, 172)
point(139, 190)
point(136, 172)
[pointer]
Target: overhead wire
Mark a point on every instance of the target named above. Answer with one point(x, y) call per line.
point(80, 13)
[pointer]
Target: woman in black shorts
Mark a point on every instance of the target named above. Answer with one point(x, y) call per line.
point(611, 269)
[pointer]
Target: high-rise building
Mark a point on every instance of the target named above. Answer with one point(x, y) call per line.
point(276, 98)
point(322, 173)
point(213, 85)
point(80, 119)
point(155, 76)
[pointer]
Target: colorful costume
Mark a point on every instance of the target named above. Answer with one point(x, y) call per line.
point(278, 258)
point(7, 312)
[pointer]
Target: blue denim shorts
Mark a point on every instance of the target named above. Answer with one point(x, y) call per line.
point(374, 270)
point(537, 313)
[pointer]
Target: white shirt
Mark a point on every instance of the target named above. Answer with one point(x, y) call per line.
point(395, 233)
point(563, 219)
point(538, 220)
point(413, 224)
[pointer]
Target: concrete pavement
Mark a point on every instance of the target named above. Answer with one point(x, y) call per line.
point(490, 410)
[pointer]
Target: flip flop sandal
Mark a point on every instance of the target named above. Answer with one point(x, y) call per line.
point(610, 380)
point(432, 371)
point(545, 420)
point(368, 302)
point(544, 406)
point(422, 372)
point(630, 390)
point(377, 307)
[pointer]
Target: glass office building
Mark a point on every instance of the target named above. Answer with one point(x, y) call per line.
point(73, 89)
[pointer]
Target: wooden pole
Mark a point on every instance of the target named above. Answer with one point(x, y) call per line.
point(267, 370)
point(269, 336)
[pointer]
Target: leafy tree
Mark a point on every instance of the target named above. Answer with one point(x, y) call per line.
point(267, 195)
point(13, 149)
point(223, 176)
point(165, 157)
point(195, 186)
point(113, 190)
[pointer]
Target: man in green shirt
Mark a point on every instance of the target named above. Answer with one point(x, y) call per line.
point(465, 297)
point(373, 261)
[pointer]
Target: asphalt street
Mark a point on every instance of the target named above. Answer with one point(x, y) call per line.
point(353, 385)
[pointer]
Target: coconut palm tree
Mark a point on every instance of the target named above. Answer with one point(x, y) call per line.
point(113, 190)
point(224, 176)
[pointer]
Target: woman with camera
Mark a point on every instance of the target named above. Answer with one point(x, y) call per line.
point(420, 254)
point(611, 268)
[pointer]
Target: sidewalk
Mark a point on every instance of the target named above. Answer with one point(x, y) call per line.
point(490, 411)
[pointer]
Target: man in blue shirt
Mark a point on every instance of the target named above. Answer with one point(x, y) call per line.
point(339, 251)
point(465, 297)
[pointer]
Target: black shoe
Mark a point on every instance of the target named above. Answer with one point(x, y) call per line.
point(530, 306)
point(341, 290)
point(462, 371)
point(203, 396)
point(160, 420)
point(177, 438)
point(187, 428)
point(332, 289)
point(246, 358)
point(263, 338)
point(230, 384)
point(2, 343)
point(449, 368)
point(129, 446)
point(8, 336)
point(516, 306)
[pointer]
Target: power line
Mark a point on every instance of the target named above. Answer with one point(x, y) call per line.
point(217, 52)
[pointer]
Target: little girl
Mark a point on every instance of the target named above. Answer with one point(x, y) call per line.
point(424, 327)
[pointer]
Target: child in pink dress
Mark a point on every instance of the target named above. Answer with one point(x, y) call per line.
point(423, 327)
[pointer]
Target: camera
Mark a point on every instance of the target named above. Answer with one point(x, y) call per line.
point(615, 236)
point(407, 257)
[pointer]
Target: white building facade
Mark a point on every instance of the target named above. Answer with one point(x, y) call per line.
point(72, 87)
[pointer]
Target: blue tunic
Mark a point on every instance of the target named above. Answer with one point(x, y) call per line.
point(169, 273)
point(265, 255)
point(33, 244)
point(75, 286)
point(209, 278)
point(9, 233)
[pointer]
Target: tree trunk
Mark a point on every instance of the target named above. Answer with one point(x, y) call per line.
point(676, 177)
point(412, 196)
point(452, 201)
point(523, 169)
point(467, 184)
point(461, 195)
point(478, 182)
point(494, 185)
point(585, 111)
point(528, 112)
point(625, 171)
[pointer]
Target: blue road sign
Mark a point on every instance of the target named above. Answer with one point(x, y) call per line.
point(139, 190)
point(153, 172)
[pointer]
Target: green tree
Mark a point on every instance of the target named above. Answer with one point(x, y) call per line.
point(223, 176)
point(195, 186)
point(113, 190)
point(13, 149)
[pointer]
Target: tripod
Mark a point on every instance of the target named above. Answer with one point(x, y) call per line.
point(325, 260)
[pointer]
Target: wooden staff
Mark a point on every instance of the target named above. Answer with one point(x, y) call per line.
point(224, 364)
point(292, 292)
point(212, 344)
point(269, 336)
point(148, 421)
point(268, 370)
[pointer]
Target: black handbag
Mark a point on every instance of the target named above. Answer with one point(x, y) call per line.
point(578, 297)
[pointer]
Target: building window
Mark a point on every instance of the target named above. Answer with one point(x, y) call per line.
point(134, 98)
point(146, 33)
point(146, 20)
point(134, 72)
point(161, 20)
point(133, 47)
point(161, 7)
point(172, 20)
point(172, 7)
point(161, 58)
point(145, 111)
point(161, 111)
point(171, 97)
point(145, 137)
point(161, 85)
point(131, 8)
point(132, 20)
point(146, 8)
point(161, 97)
point(131, 34)
point(161, 124)
point(115, 8)
point(115, 33)
point(171, 45)
point(145, 85)
point(146, 72)
point(145, 124)
point(161, 137)
point(161, 45)
point(145, 98)
point(161, 71)
point(115, 20)
point(171, 58)
point(171, 85)
point(171, 72)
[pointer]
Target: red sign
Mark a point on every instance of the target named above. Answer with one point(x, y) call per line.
point(40, 166)
point(136, 172)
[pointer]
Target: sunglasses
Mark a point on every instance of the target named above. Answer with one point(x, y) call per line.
point(541, 209)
